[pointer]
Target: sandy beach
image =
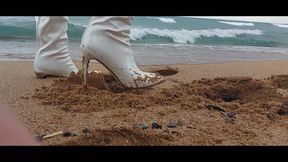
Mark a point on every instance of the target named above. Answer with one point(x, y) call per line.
point(237, 103)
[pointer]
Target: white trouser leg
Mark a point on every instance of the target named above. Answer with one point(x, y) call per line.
point(52, 56)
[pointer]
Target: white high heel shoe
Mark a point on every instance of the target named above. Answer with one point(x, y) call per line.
point(52, 58)
point(106, 39)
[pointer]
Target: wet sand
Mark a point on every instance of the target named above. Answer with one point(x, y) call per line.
point(239, 103)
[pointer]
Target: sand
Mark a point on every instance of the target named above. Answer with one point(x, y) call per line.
point(239, 103)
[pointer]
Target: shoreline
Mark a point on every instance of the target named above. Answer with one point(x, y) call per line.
point(163, 54)
point(76, 61)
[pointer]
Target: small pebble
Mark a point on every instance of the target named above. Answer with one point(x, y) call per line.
point(156, 126)
point(67, 134)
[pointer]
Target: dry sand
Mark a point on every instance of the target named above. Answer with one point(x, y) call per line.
point(238, 103)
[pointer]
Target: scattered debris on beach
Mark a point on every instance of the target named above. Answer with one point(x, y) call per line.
point(234, 108)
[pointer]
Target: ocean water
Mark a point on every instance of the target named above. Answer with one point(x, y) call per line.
point(164, 40)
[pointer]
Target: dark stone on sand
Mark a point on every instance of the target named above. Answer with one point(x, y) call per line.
point(156, 126)
point(85, 130)
point(283, 109)
point(67, 134)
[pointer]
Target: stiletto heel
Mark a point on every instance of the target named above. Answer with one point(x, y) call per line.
point(85, 66)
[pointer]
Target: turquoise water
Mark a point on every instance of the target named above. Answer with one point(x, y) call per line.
point(161, 40)
point(167, 30)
